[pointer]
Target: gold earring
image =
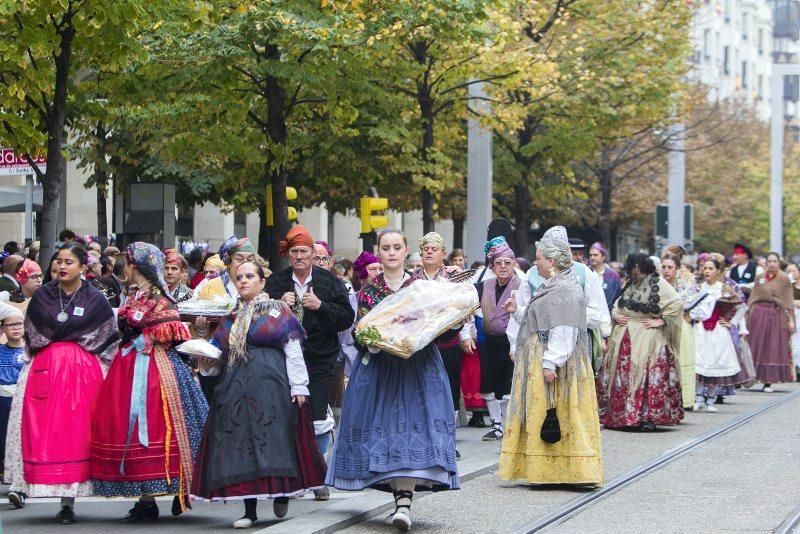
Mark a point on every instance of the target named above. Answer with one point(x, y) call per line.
point(552, 272)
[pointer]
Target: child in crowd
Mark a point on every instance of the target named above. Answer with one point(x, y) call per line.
point(11, 360)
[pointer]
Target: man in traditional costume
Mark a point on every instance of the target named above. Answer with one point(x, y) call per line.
point(744, 270)
point(174, 268)
point(320, 302)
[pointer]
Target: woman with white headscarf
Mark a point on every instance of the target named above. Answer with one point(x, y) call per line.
point(553, 369)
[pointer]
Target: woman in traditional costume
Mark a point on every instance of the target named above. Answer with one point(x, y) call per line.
point(552, 369)
point(770, 320)
point(696, 305)
point(29, 277)
point(397, 429)
point(718, 364)
point(259, 407)
point(71, 335)
point(146, 437)
point(638, 384)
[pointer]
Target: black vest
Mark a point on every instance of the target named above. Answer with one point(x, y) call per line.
point(748, 276)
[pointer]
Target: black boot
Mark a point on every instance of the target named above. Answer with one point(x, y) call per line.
point(141, 512)
point(476, 421)
point(66, 516)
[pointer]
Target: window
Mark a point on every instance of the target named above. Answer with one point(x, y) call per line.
point(760, 87)
point(727, 10)
point(706, 44)
point(239, 223)
point(744, 74)
point(744, 26)
point(726, 68)
point(760, 41)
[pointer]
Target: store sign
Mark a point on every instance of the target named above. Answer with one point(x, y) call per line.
point(12, 164)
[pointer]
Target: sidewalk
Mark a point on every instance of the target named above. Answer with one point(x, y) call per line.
point(346, 508)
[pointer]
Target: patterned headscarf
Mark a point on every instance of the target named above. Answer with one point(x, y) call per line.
point(556, 232)
point(326, 246)
point(493, 243)
point(29, 268)
point(232, 245)
point(298, 236)
point(432, 238)
point(150, 262)
point(360, 265)
point(500, 250)
point(171, 257)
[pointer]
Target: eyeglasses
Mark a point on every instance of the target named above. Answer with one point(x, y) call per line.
point(502, 263)
point(36, 276)
point(321, 259)
point(14, 325)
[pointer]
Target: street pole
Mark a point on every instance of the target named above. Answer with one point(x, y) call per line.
point(677, 185)
point(776, 155)
point(28, 209)
point(479, 175)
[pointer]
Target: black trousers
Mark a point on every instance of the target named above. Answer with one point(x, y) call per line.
point(320, 382)
point(497, 368)
point(452, 365)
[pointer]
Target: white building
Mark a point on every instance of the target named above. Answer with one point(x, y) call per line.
point(786, 49)
point(733, 50)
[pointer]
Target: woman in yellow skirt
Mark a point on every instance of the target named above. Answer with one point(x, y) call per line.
point(552, 368)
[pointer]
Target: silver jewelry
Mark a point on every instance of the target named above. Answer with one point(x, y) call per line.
point(62, 316)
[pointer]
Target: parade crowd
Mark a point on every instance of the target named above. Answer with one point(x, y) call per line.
point(101, 394)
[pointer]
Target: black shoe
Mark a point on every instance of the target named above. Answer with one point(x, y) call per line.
point(720, 400)
point(17, 498)
point(176, 506)
point(648, 427)
point(141, 512)
point(66, 516)
point(458, 455)
point(476, 421)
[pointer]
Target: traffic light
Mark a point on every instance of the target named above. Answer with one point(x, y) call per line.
point(370, 222)
point(291, 212)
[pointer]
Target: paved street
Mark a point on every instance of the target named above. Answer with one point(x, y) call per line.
point(745, 480)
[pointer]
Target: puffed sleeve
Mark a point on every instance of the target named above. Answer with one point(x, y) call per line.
point(561, 341)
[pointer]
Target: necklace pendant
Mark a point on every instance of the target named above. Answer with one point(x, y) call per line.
point(62, 317)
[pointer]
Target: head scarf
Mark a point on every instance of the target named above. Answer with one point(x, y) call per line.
point(493, 243)
point(362, 261)
point(326, 246)
point(214, 261)
point(150, 262)
point(171, 257)
point(28, 268)
point(7, 311)
point(557, 232)
point(432, 238)
point(598, 246)
point(232, 245)
point(298, 236)
point(501, 250)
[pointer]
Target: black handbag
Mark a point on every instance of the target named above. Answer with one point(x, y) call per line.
point(551, 429)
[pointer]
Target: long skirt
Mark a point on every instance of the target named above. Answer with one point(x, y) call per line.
point(146, 459)
point(50, 428)
point(769, 343)
point(657, 399)
point(719, 361)
point(257, 444)
point(471, 382)
point(686, 361)
point(576, 458)
point(397, 421)
point(796, 339)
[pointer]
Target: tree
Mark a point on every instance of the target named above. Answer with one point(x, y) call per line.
point(45, 46)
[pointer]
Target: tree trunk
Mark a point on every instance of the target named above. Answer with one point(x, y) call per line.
point(100, 180)
point(56, 168)
point(604, 220)
point(276, 132)
point(426, 104)
point(522, 219)
point(458, 232)
point(264, 231)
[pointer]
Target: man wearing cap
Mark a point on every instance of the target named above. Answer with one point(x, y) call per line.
point(174, 267)
point(320, 301)
point(598, 317)
point(577, 247)
point(494, 348)
point(744, 270)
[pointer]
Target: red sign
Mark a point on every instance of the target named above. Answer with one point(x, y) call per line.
point(14, 164)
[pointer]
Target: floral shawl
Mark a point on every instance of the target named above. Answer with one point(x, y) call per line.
point(370, 296)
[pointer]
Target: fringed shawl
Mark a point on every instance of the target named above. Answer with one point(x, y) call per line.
point(156, 317)
point(262, 322)
point(777, 291)
point(95, 330)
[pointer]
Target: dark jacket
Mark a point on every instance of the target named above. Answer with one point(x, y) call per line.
point(323, 325)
